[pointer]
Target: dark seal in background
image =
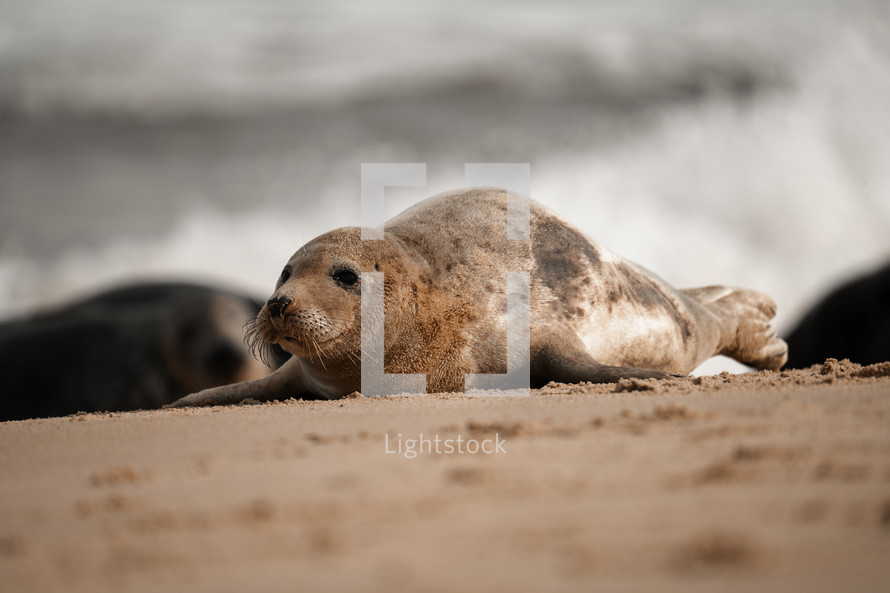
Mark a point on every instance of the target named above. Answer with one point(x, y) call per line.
point(852, 321)
point(133, 347)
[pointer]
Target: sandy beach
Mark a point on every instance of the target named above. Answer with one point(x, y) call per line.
point(732, 143)
point(766, 481)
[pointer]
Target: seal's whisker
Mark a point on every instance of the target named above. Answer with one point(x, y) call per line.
point(353, 357)
point(320, 357)
point(258, 347)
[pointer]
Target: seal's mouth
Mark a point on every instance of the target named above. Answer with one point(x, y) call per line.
point(304, 328)
point(307, 340)
point(308, 333)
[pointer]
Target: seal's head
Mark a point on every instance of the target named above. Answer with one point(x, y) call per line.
point(315, 311)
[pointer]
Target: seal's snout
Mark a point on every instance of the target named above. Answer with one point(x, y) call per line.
point(277, 306)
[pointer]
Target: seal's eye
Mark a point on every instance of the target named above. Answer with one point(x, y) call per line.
point(345, 277)
point(285, 275)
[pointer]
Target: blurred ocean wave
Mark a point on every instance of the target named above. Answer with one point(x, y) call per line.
point(739, 143)
point(157, 59)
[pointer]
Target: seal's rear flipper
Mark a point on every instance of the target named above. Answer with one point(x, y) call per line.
point(567, 365)
point(745, 319)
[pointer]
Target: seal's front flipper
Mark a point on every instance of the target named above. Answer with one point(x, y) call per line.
point(567, 365)
point(221, 396)
point(285, 382)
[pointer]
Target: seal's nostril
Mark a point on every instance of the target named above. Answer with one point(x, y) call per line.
point(277, 306)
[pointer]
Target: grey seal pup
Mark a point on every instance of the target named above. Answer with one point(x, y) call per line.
point(594, 316)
